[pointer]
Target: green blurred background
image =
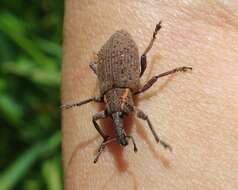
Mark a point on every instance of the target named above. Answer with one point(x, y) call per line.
point(30, 61)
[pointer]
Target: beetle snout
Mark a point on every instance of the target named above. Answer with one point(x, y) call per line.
point(123, 140)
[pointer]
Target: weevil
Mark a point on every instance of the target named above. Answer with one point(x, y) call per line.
point(119, 69)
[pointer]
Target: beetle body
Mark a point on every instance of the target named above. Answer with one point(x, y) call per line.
point(118, 74)
point(119, 69)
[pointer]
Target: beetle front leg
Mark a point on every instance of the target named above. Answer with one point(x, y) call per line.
point(155, 78)
point(106, 140)
point(97, 116)
point(143, 60)
point(67, 106)
point(143, 116)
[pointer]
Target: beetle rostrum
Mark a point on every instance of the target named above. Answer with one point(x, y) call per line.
point(118, 69)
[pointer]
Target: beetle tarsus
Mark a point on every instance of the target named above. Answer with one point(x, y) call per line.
point(102, 147)
point(134, 143)
point(166, 145)
point(157, 28)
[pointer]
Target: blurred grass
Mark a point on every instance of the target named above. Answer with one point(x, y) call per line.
point(30, 57)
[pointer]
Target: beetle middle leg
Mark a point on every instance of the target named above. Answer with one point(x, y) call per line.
point(143, 116)
point(143, 60)
point(155, 78)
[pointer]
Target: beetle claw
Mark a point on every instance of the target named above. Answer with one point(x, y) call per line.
point(158, 26)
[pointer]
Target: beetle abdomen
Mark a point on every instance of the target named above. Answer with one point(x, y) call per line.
point(118, 63)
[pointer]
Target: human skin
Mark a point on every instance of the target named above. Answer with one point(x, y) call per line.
point(195, 112)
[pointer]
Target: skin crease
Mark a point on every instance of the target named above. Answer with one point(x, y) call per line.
point(195, 112)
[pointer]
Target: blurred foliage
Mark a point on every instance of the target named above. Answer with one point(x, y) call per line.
point(30, 57)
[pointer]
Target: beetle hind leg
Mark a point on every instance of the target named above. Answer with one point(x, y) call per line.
point(143, 116)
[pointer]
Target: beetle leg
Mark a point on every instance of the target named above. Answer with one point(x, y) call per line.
point(67, 106)
point(143, 116)
point(155, 78)
point(134, 143)
point(106, 141)
point(93, 66)
point(143, 61)
point(97, 116)
point(103, 146)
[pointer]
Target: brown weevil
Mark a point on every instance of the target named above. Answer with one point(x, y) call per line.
point(118, 69)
